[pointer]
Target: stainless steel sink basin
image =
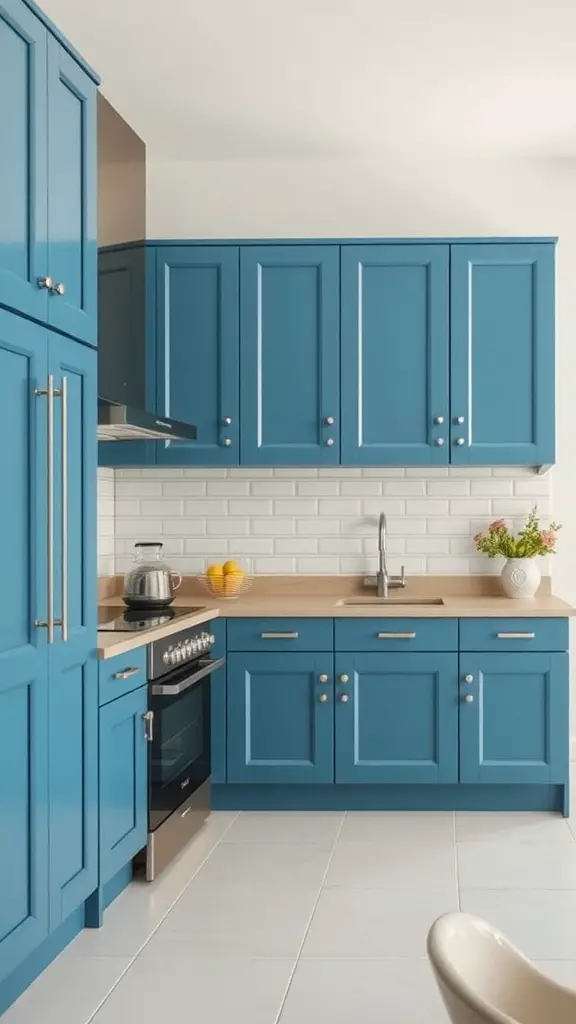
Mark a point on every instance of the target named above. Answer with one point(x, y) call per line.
point(379, 601)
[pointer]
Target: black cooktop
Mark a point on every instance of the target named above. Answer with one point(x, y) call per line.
point(120, 619)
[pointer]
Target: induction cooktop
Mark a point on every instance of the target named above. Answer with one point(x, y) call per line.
point(120, 619)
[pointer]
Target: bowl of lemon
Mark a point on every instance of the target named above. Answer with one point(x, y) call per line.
point(226, 581)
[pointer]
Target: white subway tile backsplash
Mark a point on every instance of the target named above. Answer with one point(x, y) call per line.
point(313, 520)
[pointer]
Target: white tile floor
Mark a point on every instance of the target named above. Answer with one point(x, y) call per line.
point(314, 918)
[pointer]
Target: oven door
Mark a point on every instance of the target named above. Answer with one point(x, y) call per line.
point(180, 747)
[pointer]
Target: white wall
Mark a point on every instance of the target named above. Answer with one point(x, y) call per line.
point(106, 562)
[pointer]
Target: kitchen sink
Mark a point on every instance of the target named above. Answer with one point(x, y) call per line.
point(390, 600)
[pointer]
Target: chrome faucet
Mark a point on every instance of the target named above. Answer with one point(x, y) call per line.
point(383, 579)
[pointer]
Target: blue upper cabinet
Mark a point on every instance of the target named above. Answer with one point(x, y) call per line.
point(290, 363)
point(23, 662)
point(514, 719)
point(23, 168)
point(502, 354)
point(72, 299)
point(197, 378)
point(395, 342)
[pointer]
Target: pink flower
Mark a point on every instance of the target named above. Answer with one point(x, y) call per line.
point(477, 536)
point(548, 539)
point(497, 525)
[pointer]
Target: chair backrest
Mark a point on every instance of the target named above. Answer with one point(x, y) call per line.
point(484, 979)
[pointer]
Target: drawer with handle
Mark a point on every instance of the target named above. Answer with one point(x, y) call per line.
point(395, 634)
point(122, 674)
point(519, 634)
point(280, 634)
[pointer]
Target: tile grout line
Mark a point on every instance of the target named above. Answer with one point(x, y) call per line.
point(311, 918)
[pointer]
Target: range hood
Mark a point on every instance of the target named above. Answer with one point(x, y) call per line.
point(122, 414)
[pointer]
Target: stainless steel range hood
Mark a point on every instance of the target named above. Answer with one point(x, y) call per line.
point(122, 414)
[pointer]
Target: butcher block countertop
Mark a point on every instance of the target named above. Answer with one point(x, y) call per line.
point(324, 597)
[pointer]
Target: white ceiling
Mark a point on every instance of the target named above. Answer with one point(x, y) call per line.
point(344, 79)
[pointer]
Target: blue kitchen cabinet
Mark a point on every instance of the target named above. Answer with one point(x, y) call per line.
point(396, 718)
point(123, 764)
point(290, 355)
point(218, 705)
point(514, 720)
point(280, 717)
point(73, 689)
point(395, 344)
point(197, 358)
point(502, 354)
point(23, 657)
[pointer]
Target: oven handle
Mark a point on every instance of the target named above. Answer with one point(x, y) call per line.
point(173, 689)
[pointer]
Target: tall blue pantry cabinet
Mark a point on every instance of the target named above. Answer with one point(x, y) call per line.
point(48, 678)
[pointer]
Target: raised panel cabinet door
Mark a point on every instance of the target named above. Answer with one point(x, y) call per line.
point(280, 718)
point(23, 654)
point(73, 691)
point(395, 341)
point(123, 753)
point(23, 168)
point(514, 721)
point(396, 718)
point(197, 352)
point(290, 355)
point(502, 354)
point(72, 258)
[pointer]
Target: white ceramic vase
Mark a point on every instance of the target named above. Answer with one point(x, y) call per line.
point(520, 578)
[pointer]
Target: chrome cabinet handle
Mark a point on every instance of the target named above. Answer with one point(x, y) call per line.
point(329, 421)
point(323, 698)
point(49, 622)
point(396, 636)
point(439, 441)
point(344, 698)
point(279, 636)
point(148, 717)
point(45, 282)
point(516, 636)
point(57, 289)
point(186, 811)
point(64, 510)
point(126, 673)
point(323, 678)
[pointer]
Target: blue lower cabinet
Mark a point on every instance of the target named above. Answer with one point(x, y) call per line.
point(396, 718)
point(514, 718)
point(123, 781)
point(218, 704)
point(280, 718)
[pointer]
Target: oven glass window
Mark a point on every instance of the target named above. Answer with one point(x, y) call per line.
point(181, 743)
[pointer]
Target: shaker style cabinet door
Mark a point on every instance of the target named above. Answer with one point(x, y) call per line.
point(23, 657)
point(280, 718)
point(514, 718)
point(72, 260)
point(290, 355)
point(395, 409)
point(197, 352)
point(23, 170)
point(502, 354)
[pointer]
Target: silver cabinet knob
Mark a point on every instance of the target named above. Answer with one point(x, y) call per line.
point(439, 441)
point(468, 679)
point(227, 442)
point(323, 678)
point(344, 679)
point(329, 420)
point(344, 698)
point(227, 421)
point(459, 419)
point(45, 282)
point(58, 289)
point(323, 698)
point(439, 420)
point(469, 698)
point(329, 442)
point(460, 441)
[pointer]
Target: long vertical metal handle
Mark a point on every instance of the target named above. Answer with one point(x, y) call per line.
point(64, 511)
point(148, 717)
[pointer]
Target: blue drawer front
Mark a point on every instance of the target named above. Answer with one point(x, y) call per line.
point(280, 634)
point(507, 634)
point(392, 634)
point(121, 674)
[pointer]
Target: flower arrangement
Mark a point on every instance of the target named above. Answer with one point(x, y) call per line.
point(530, 541)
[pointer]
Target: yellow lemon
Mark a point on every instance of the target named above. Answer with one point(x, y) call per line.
point(230, 567)
point(214, 570)
point(232, 582)
point(217, 584)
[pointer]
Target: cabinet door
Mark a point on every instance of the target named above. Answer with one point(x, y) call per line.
point(23, 172)
point(502, 354)
point(290, 355)
point(23, 656)
point(514, 718)
point(71, 196)
point(395, 355)
point(197, 352)
point(123, 781)
point(280, 727)
point(396, 718)
point(73, 714)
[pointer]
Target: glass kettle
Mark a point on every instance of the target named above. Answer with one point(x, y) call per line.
point(150, 583)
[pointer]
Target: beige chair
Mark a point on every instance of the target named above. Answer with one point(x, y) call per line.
point(483, 979)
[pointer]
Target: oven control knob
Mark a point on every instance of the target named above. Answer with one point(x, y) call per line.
point(187, 648)
point(211, 639)
point(194, 646)
point(177, 654)
point(166, 657)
